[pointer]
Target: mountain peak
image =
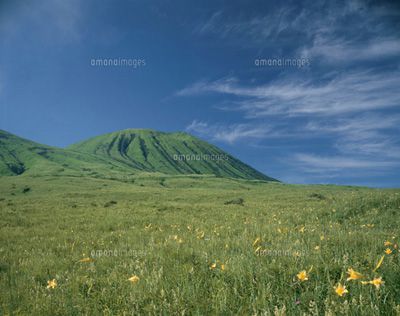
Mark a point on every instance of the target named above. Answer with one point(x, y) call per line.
point(170, 153)
point(147, 131)
point(128, 151)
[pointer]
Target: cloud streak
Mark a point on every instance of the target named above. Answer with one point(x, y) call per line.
point(346, 102)
point(229, 133)
point(336, 50)
point(330, 109)
point(342, 93)
point(322, 164)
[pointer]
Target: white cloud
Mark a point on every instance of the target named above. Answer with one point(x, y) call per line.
point(209, 25)
point(362, 143)
point(228, 133)
point(323, 26)
point(319, 164)
point(360, 123)
point(256, 28)
point(344, 109)
point(334, 50)
point(383, 148)
point(365, 135)
point(346, 98)
point(343, 93)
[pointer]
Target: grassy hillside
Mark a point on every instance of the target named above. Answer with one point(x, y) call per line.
point(116, 226)
point(168, 153)
point(195, 245)
point(20, 156)
point(121, 155)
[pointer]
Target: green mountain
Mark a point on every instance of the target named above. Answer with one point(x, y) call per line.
point(22, 156)
point(169, 153)
point(121, 154)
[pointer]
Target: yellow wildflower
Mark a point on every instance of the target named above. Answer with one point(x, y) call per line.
point(353, 275)
point(377, 282)
point(388, 251)
point(52, 284)
point(302, 276)
point(134, 279)
point(340, 289)
point(387, 243)
point(213, 266)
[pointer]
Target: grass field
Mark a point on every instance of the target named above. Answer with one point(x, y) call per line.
point(195, 246)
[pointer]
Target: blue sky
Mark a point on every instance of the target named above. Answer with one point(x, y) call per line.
point(334, 119)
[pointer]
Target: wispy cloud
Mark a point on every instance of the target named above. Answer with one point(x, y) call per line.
point(331, 108)
point(282, 18)
point(346, 102)
point(334, 50)
point(356, 124)
point(367, 135)
point(209, 25)
point(332, 164)
point(362, 142)
point(341, 93)
point(228, 133)
point(328, 32)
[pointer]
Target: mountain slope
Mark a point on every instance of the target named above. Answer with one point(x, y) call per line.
point(169, 153)
point(22, 156)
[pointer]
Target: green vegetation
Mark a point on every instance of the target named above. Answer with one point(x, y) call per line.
point(20, 156)
point(189, 252)
point(112, 226)
point(169, 153)
point(122, 154)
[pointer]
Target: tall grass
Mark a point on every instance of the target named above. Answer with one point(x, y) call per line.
point(192, 252)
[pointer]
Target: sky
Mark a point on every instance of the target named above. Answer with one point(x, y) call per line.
point(303, 91)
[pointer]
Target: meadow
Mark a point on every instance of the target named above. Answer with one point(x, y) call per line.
point(196, 245)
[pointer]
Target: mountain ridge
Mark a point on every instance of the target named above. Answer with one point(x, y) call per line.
point(129, 151)
point(170, 153)
point(22, 156)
